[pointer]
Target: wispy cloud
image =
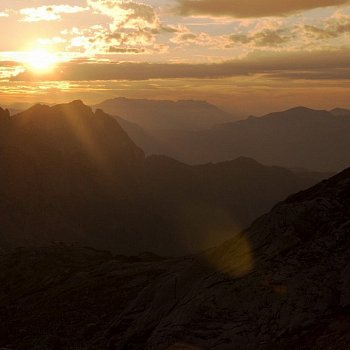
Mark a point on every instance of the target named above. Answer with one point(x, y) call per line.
point(48, 13)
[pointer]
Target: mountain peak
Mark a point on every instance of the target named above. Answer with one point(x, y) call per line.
point(246, 160)
point(4, 113)
point(76, 105)
point(299, 112)
point(37, 109)
point(300, 109)
point(339, 112)
point(96, 137)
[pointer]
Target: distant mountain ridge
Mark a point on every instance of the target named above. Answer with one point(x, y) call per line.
point(68, 173)
point(196, 132)
point(165, 114)
point(296, 138)
point(340, 111)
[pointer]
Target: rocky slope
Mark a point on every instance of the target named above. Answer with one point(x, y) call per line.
point(60, 297)
point(281, 284)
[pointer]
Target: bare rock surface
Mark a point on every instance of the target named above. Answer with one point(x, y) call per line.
point(281, 284)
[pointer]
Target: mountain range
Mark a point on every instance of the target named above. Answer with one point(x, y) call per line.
point(70, 174)
point(197, 132)
point(283, 283)
point(296, 138)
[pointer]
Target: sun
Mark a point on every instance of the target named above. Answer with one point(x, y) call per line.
point(41, 61)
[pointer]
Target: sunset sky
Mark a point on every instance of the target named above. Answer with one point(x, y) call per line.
point(251, 56)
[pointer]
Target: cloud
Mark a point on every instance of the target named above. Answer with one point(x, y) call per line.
point(127, 14)
point(332, 28)
point(100, 40)
point(48, 13)
point(9, 64)
point(263, 38)
point(266, 34)
point(51, 41)
point(128, 50)
point(132, 28)
point(273, 33)
point(300, 65)
point(183, 36)
point(276, 35)
point(9, 69)
point(3, 14)
point(251, 8)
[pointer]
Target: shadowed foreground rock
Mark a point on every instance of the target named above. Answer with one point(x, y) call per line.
point(282, 284)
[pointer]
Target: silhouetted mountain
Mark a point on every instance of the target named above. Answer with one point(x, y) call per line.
point(281, 284)
point(4, 115)
point(340, 112)
point(19, 107)
point(209, 203)
point(62, 167)
point(73, 175)
point(299, 137)
point(163, 114)
point(4, 121)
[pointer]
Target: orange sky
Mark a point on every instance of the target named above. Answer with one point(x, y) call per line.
point(251, 56)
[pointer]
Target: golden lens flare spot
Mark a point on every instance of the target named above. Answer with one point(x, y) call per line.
point(41, 61)
point(234, 257)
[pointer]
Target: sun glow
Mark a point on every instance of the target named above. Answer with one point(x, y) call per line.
point(41, 61)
